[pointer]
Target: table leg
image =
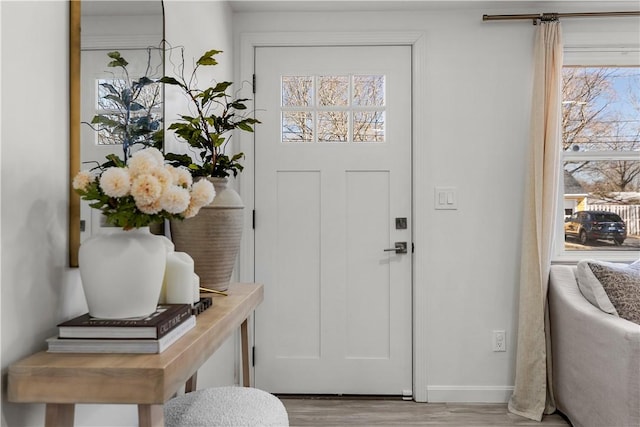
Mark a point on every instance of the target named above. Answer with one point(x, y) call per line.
point(191, 383)
point(59, 414)
point(151, 415)
point(244, 337)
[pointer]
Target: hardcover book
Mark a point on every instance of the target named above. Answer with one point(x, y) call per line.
point(87, 345)
point(155, 326)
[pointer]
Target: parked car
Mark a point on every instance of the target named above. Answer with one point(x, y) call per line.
point(595, 225)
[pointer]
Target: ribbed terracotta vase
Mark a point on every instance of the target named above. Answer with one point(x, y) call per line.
point(212, 238)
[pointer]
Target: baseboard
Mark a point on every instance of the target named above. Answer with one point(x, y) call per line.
point(469, 394)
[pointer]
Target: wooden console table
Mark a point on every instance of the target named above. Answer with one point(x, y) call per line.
point(149, 380)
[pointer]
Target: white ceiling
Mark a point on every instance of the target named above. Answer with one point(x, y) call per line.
point(400, 5)
point(152, 7)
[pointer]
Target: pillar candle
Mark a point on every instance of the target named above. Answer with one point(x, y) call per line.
point(170, 247)
point(196, 288)
point(179, 278)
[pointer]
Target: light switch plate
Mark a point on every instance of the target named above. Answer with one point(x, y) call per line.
point(446, 198)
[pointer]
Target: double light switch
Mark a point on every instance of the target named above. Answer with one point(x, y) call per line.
point(446, 198)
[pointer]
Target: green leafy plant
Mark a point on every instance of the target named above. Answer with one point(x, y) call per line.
point(215, 113)
point(133, 104)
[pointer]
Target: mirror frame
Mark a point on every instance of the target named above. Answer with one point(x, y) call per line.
point(74, 128)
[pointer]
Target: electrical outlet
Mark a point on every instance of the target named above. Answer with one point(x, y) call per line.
point(499, 341)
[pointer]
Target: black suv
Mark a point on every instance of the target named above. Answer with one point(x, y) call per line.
point(593, 225)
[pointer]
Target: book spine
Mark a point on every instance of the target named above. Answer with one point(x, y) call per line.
point(163, 328)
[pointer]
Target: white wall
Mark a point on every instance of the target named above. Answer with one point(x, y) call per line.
point(38, 289)
point(475, 102)
point(472, 135)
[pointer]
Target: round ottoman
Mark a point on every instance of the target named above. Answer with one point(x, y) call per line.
point(225, 406)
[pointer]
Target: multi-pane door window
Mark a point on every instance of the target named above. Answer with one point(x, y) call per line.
point(333, 109)
point(601, 158)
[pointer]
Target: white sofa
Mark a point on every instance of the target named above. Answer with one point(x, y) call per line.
point(596, 358)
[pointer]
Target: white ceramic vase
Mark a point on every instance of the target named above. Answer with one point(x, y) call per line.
point(122, 272)
point(212, 237)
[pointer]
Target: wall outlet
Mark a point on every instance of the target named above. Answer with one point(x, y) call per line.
point(499, 341)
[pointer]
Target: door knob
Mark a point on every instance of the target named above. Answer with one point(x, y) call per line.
point(400, 248)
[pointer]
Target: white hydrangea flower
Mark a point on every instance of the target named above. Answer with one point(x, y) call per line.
point(82, 180)
point(183, 178)
point(191, 211)
point(115, 182)
point(146, 189)
point(150, 209)
point(142, 162)
point(164, 177)
point(175, 199)
point(202, 193)
point(155, 153)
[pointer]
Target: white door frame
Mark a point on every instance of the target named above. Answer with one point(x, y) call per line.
point(245, 68)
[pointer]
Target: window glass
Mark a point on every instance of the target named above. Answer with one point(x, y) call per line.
point(297, 126)
point(297, 91)
point(332, 126)
point(601, 158)
point(368, 90)
point(109, 92)
point(333, 109)
point(333, 90)
point(368, 126)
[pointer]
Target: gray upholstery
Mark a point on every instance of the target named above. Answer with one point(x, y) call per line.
point(225, 406)
point(596, 358)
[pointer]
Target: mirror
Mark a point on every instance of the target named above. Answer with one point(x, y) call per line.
point(136, 30)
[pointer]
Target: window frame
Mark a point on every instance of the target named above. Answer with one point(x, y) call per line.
point(584, 50)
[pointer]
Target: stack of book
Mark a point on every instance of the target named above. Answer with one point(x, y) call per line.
point(150, 334)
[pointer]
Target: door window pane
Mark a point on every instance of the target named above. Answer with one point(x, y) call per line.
point(368, 90)
point(368, 126)
point(333, 90)
point(332, 126)
point(297, 126)
point(297, 91)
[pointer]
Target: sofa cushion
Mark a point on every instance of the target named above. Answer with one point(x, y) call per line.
point(591, 287)
point(614, 288)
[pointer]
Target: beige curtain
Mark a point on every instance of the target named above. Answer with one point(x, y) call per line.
point(533, 394)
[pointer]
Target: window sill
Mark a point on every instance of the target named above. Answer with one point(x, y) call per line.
point(611, 256)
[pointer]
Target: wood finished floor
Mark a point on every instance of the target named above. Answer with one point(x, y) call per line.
point(392, 413)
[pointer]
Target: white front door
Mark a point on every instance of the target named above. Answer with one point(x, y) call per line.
point(332, 196)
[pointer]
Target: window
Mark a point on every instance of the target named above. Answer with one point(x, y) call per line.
point(144, 113)
point(601, 160)
point(333, 109)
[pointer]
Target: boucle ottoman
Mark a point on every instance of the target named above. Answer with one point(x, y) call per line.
point(225, 406)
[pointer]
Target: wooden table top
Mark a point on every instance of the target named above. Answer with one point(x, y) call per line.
point(132, 378)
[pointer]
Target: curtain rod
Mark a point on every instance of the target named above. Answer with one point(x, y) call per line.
point(535, 17)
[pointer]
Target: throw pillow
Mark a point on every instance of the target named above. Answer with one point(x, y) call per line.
point(621, 283)
point(591, 287)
